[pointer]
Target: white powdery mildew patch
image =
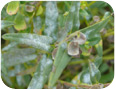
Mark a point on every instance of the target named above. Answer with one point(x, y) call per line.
point(34, 40)
point(51, 17)
point(86, 78)
point(37, 22)
point(40, 76)
point(18, 56)
point(39, 38)
point(9, 46)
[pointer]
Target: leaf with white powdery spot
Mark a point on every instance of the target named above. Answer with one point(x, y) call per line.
point(41, 75)
point(37, 41)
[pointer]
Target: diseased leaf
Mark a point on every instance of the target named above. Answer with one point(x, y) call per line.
point(13, 7)
point(18, 56)
point(20, 23)
point(41, 75)
point(51, 19)
point(5, 24)
point(37, 23)
point(34, 40)
point(7, 79)
point(95, 74)
point(89, 71)
point(93, 31)
point(85, 76)
point(60, 62)
point(19, 79)
point(3, 66)
point(72, 22)
point(76, 17)
point(9, 46)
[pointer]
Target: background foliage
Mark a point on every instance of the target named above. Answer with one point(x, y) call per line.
point(32, 30)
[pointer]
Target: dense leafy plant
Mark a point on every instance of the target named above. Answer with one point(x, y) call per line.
point(57, 44)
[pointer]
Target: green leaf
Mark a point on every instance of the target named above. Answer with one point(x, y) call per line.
point(18, 56)
point(51, 19)
point(34, 40)
point(41, 75)
point(19, 79)
point(99, 48)
point(95, 74)
point(13, 7)
point(107, 77)
point(60, 62)
point(39, 11)
point(20, 23)
point(85, 76)
point(93, 31)
point(5, 24)
point(37, 23)
point(9, 46)
point(83, 12)
point(3, 67)
point(71, 20)
point(76, 21)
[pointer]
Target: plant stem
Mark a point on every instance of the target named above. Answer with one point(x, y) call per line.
point(95, 86)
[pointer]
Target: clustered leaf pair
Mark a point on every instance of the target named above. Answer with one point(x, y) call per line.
point(73, 46)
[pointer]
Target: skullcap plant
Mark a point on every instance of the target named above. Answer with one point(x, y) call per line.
point(57, 44)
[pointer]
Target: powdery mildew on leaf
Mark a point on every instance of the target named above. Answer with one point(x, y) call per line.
point(34, 40)
point(51, 18)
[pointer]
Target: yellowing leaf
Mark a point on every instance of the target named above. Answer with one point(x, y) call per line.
point(39, 11)
point(20, 23)
point(13, 7)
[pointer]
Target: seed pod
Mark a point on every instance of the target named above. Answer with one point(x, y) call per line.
point(80, 38)
point(29, 8)
point(54, 53)
point(96, 18)
point(78, 56)
point(73, 48)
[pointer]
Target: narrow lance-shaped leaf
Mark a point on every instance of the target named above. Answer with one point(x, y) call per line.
point(18, 56)
point(76, 22)
point(60, 62)
point(20, 23)
point(93, 31)
point(85, 75)
point(13, 7)
point(99, 48)
point(72, 20)
point(34, 40)
point(41, 75)
point(9, 46)
point(5, 24)
point(3, 66)
point(51, 19)
point(95, 74)
point(37, 23)
point(19, 79)
point(39, 11)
